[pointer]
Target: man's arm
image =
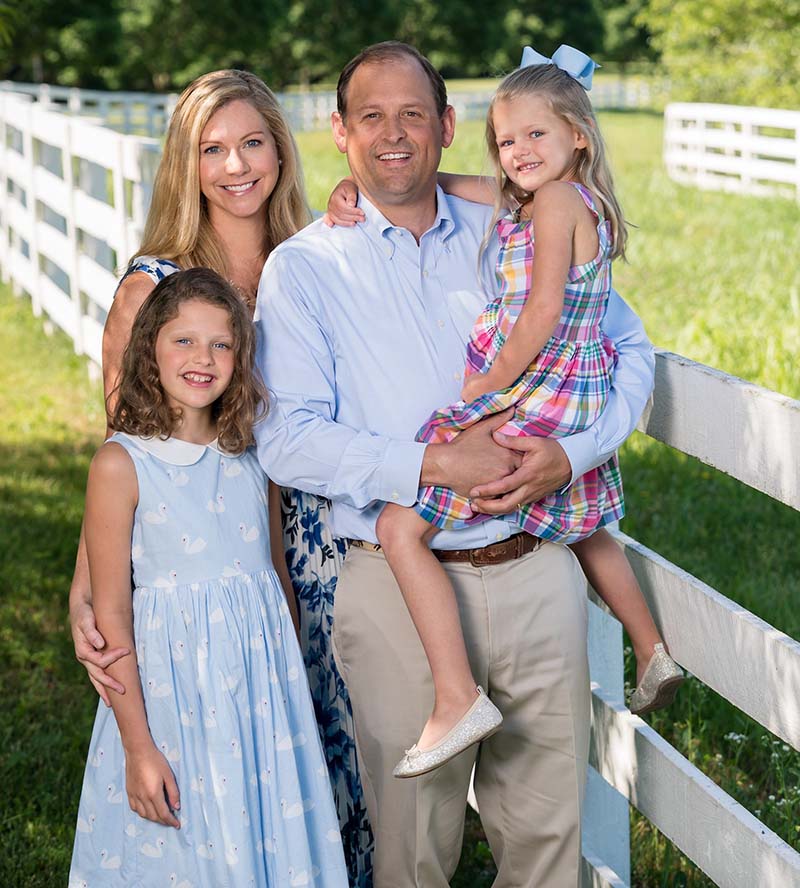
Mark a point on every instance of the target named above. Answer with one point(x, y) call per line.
point(301, 444)
point(549, 464)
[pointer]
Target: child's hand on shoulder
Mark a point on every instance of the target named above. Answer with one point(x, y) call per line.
point(343, 206)
point(151, 787)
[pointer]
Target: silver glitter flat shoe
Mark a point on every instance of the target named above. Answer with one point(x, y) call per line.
point(480, 721)
point(659, 683)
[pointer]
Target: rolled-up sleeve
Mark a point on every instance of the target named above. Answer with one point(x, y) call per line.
point(300, 443)
point(631, 387)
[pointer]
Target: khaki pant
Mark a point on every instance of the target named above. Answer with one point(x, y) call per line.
point(525, 627)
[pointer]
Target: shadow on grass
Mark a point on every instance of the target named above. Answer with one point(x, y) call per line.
point(47, 704)
point(739, 541)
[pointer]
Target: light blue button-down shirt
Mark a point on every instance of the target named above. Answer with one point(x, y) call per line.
point(361, 335)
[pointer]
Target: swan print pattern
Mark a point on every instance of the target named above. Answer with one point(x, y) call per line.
point(225, 691)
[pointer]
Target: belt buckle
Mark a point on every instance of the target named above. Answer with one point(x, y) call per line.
point(475, 557)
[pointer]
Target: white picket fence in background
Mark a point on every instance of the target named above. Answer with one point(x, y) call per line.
point(733, 148)
point(73, 197)
point(147, 113)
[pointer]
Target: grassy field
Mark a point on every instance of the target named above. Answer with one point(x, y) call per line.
point(714, 276)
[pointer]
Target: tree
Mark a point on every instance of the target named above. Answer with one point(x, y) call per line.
point(735, 51)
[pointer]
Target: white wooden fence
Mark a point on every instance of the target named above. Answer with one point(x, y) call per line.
point(73, 198)
point(753, 435)
point(72, 201)
point(147, 113)
point(734, 148)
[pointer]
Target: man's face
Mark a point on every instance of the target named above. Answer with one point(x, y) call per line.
point(392, 134)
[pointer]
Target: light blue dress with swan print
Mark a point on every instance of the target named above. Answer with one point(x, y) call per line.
point(225, 693)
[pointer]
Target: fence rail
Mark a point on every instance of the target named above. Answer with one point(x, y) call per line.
point(73, 196)
point(148, 113)
point(733, 148)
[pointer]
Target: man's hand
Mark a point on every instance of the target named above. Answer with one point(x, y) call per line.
point(473, 458)
point(89, 644)
point(543, 469)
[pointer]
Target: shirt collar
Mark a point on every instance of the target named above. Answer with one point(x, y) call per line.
point(377, 222)
point(180, 453)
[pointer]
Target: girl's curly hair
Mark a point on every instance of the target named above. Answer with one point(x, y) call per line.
point(142, 408)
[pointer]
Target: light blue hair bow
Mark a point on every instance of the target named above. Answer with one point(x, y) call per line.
point(576, 63)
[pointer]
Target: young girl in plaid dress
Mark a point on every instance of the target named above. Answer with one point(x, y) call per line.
point(537, 348)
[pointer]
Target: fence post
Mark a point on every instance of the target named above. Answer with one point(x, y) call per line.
point(73, 236)
point(4, 245)
point(28, 185)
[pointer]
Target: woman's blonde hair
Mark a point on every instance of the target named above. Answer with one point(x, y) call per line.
point(178, 226)
point(570, 101)
point(142, 407)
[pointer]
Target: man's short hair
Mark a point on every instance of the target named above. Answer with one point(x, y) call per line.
point(383, 52)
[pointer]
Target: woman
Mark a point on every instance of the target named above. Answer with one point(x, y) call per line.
point(228, 189)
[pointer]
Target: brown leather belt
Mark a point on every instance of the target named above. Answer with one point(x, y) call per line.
point(495, 553)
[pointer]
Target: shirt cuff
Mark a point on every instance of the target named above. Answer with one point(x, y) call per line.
point(402, 466)
point(581, 450)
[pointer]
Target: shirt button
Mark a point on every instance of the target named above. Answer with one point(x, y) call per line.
point(498, 536)
point(425, 273)
point(395, 495)
point(389, 252)
point(457, 377)
point(440, 324)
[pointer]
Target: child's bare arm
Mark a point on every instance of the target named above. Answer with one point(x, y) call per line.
point(478, 189)
point(111, 497)
point(556, 212)
point(279, 553)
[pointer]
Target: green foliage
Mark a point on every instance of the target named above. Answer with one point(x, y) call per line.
point(163, 44)
point(626, 37)
point(737, 51)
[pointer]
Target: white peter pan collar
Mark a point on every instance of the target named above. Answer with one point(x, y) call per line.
point(177, 452)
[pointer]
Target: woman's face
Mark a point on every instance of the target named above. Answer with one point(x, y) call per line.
point(238, 162)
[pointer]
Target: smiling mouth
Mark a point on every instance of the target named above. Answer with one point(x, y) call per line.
point(240, 189)
point(198, 378)
point(527, 167)
point(394, 155)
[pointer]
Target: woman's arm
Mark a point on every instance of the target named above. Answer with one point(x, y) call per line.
point(555, 216)
point(279, 553)
point(129, 298)
point(111, 497)
point(91, 648)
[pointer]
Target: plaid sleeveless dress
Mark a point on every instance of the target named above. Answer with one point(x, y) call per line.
point(561, 393)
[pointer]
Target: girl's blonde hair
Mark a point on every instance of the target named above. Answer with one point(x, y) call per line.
point(142, 407)
point(178, 226)
point(570, 101)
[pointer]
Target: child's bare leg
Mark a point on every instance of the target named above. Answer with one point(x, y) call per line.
point(431, 601)
point(607, 569)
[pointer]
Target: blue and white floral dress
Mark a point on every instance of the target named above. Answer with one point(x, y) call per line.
point(225, 694)
point(314, 558)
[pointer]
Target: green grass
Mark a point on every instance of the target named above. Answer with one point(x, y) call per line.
point(713, 276)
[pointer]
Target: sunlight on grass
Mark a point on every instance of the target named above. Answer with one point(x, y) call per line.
point(714, 276)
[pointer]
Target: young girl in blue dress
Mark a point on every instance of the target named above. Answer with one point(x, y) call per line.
point(208, 771)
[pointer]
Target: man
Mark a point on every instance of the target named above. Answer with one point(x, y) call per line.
point(362, 334)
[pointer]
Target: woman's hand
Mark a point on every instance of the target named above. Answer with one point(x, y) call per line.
point(151, 786)
point(90, 650)
point(342, 206)
point(90, 646)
